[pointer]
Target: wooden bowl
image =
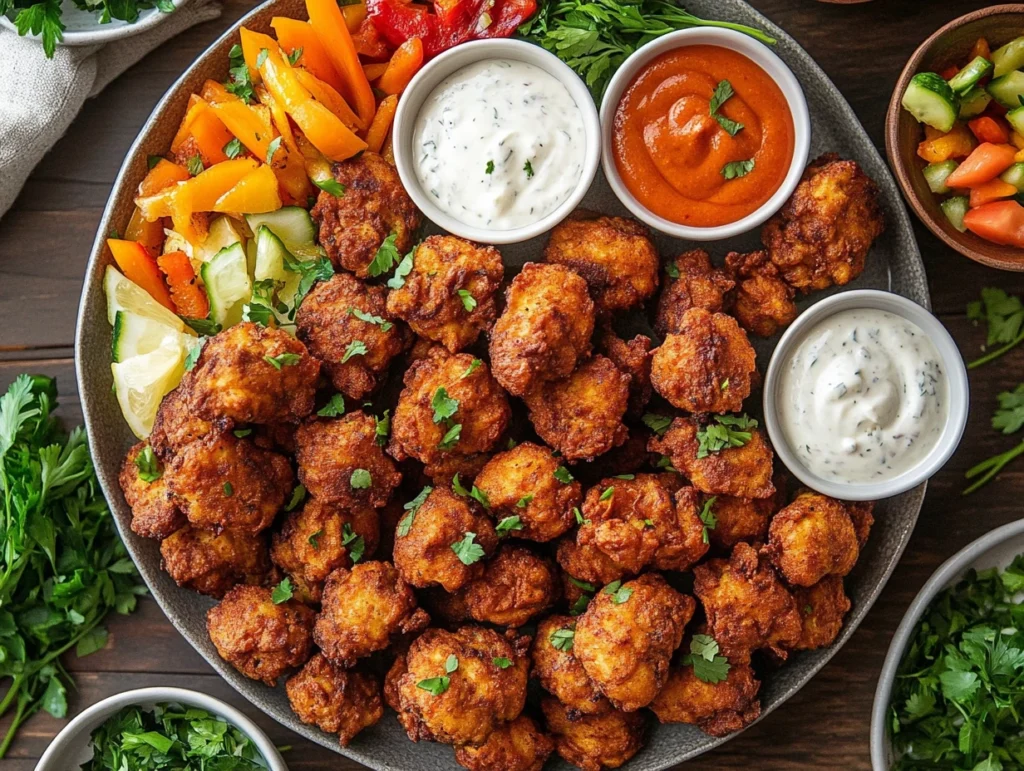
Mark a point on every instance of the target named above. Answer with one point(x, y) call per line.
point(950, 45)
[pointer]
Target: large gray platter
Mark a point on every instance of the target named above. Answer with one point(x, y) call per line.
point(894, 264)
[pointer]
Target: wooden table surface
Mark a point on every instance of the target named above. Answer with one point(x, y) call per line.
point(45, 241)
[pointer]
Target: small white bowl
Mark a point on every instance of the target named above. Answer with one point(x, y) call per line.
point(763, 57)
point(71, 747)
point(952, 366)
point(439, 68)
point(84, 28)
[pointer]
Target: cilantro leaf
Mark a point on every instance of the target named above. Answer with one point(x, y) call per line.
point(562, 639)
point(361, 479)
point(298, 496)
point(369, 318)
point(355, 348)
point(451, 664)
point(397, 281)
point(468, 301)
point(149, 468)
point(562, 475)
point(737, 169)
point(722, 432)
point(1009, 418)
point(413, 506)
point(382, 427)
point(443, 405)
point(501, 662)
point(283, 360)
point(618, 592)
point(195, 165)
point(310, 272)
point(508, 524)
point(451, 437)
point(353, 542)
point(467, 550)
point(435, 685)
point(333, 408)
point(525, 501)
point(708, 518)
point(282, 592)
point(385, 258)
point(723, 92)
point(707, 664)
point(473, 367)
point(657, 423)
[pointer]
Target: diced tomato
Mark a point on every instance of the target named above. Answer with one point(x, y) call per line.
point(188, 298)
point(980, 48)
point(139, 266)
point(1001, 222)
point(987, 162)
point(988, 129)
point(992, 190)
point(949, 72)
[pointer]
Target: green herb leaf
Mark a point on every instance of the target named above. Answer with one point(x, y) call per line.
point(708, 518)
point(443, 405)
point(330, 186)
point(234, 148)
point(272, 149)
point(562, 475)
point(369, 318)
point(405, 524)
point(382, 427)
point(451, 664)
point(149, 468)
point(298, 496)
point(607, 493)
point(724, 431)
point(205, 327)
point(707, 664)
point(618, 592)
point(333, 408)
point(523, 502)
point(468, 301)
point(294, 56)
point(626, 477)
point(1009, 418)
point(473, 367)
point(580, 520)
point(489, 169)
point(229, 489)
point(723, 92)
point(386, 257)
point(361, 479)
point(282, 592)
point(239, 78)
point(355, 348)
point(528, 168)
point(501, 662)
point(657, 423)
point(195, 165)
point(508, 524)
point(153, 160)
point(242, 433)
point(397, 281)
point(737, 169)
point(353, 542)
point(283, 360)
point(261, 57)
point(435, 685)
point(467, 550)
point(562, 639)
point(314, 539)
point(310, 272)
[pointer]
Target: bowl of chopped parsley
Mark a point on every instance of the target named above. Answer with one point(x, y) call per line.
point(951, 690)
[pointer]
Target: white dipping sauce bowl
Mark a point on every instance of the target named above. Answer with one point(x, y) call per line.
point(764, 58)
point(453, 60)
point(952, 367)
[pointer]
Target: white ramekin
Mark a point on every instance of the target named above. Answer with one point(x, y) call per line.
point(70, 748)
point(952, 366)
point(762, 56)
point(439, 68)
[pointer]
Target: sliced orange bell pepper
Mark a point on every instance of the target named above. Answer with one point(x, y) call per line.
point(369, 43)
point(252, 127)
point(211, 136)
point(980, 48)
point(378, 131)
point(374, 70)
point(196, 105)
point(215, 93)
point(207, 188)
point(252, 44)
point(189, 299)
point(149, 234)
point(279, 116)
point(256, 193)
point(957, 143)
point(139, 266)
point(161, 176)
point(330, 99)
point(388, 153)
point(330, 27)
point(354, 15)
point(292, 35)
point(405, 63)
point(990, 191)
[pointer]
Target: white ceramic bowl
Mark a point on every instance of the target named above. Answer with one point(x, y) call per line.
point(439, 68)
point(952, 366)
point(762, 56)
point(71, 747)
point(84, 28)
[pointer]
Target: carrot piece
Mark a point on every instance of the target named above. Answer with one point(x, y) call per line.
point(162, 176)
point(188, 298)
point(330, 99)
point(405, 63)
point(980, 48)
point(196, 105)
point(989, 130)
point(378, 131)
point(992, 190)
point(139, 266)
point(986, 162)
point(293, 35)
point(1001, 222)
point(949, 72)
point(329, 24)
point(255, 193)
point(374, 70)
point(149, 234)
point(354, 15)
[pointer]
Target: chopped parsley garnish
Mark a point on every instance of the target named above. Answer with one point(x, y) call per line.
point(723, 92)
point(468, 301)
point(724, 431)
point(234, 148)
point(310, 272)
point(361, 479)
point(562, 639)
point(473, 367)
point(708, 664)
point(314, 539)
point(283, 360)
point(239, 78)
point(333, 408)
point(501, 662)
point(657, 423)
point(282, 592)
point(385, 258)
point(508, 524)
point(355, 348)
point(580, 520)
point(229, 489)
point(671, 270)
point(523, 502)
point(618, 592)
point(195, 165)
point(205, 327)
point(476, 493)
point(528, 168)
point(369, 318)
point(708, 518)
point(295, 55)
point(272, 149)
point(331, 186)
point(451, 437)
point(241, 433)
point(562, 475)
point(148, 466)
point(298, 496)
point(582, 585)
point(468, 550)
point(353, 542)
point(1003, 316)
point(626, 477)
point(608, 493)
point(435, 686)
point(451, 664)
point(405, 524)
point(737, 169)
point(382, 428)
point(665, 462)
point(397, 281)
point(489, 169)
point(443, 405)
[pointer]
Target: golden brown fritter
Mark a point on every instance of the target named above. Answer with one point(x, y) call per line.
point(212, 564)
point(441, 392)
point(516, 586)
point(466, 703)
point(320, 538)
point(526, 475)
point(706, 366)
point(424, 555)
point(747, 606)
point(739, 519)
point(822, 609)
point(718, 709)
point(626, 638)
point(699, 285)
point(335, 317)
point(633, 358)
point(559, 671)
point(545, 329)
point(363, 609)
point(823, 233)
point(763, 302)
point(176, 423)
point(585, 562)
point(335, 700)
point(745, 472)
point(254, 374)
point(154, 511)
point(340, 461)
point(375, 205)
point(223, 482)
point(581, 416)
point(515, 746)
point(863, 518)
point(275, 436)
point(449, 297)
point(594, 742)
point(811, 538)
point(258, 638)
point(614, 255)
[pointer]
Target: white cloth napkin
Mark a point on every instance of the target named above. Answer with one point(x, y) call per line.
point(39, 97)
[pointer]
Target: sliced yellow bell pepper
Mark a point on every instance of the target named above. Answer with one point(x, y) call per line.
point(330, 98)
point(292, 35)
point(327, 20)
point(378, 132)
point(207, 188)
point(252, 44)
point(196, 104)
point(246, 123)
point(255, 193)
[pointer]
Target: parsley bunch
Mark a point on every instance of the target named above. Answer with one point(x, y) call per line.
point(1003, 316)
point(62, 565)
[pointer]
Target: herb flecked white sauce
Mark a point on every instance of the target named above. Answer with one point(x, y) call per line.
point(864, 398)
point(499, 144)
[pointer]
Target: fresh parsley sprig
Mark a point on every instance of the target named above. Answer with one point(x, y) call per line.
point(1003, 316)
point(1008, 418)
point(724, 431)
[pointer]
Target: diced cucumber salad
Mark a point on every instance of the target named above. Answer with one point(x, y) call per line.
point(251, 270)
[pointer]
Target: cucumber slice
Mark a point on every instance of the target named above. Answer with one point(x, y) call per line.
point(968, 77)
point(224, 232)
point(930, 100)
point(974, 102)
point(1009, 57)
point(955, 209)
point(936, 174)
point(125, 295)
point(228, 285)
point(1015, 176)
point(1008, 89)
point(1015, 118)
point(293, 225)
point(136, 335)
point(142, 381)
point(271, 255)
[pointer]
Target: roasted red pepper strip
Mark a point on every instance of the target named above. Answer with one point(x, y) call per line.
point(454, 22)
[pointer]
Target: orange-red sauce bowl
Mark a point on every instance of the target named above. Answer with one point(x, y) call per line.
point(665, 153)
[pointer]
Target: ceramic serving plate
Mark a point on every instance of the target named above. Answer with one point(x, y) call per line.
point(894, 264)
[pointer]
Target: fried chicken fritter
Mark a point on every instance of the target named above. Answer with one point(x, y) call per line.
point(718, 709)
point(739, 519)
point(335, 700)
point(329, 323)
point(822, 235)
point(745, 472)
point(177, 425)
point(516, 585)
point(763, 302)
point(154, 511)
point(260, 639)
point(211, 563)
point(587, 562)
point(515, 746)
point(707, 366)
point(449, 297)
point(581, 416)
point(441, 392)
point(375, 205)
point(861, 514)
point(363, 609)
point(614, 255)
point(340, 461)
point(424, 555)
point(626, 638)
point(699, 286)
point(822, 609)
point(481, 695)
point(223, 482)
point(594, 742)
point(254, 374)
point(560, 672)
point(545, 329)
point(811, 538)
point(527, 473)
point(747, 606)
point(633, 358)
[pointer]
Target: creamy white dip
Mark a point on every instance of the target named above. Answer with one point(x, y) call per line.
point(499, 144)
point(864, 398)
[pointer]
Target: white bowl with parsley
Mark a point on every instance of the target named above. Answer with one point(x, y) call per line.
point(182, 724)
